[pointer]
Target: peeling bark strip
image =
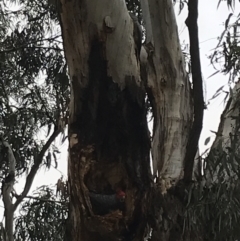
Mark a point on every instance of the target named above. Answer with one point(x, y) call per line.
point(108, 133)
point(192, 146)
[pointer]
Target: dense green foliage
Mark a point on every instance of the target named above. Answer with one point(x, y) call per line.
point(34, 85)
point(214, 210)
point(42, 217)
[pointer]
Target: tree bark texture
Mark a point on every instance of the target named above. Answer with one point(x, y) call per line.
point(108, 133)
point(169, 91)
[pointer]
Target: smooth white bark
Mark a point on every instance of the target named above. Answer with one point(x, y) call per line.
point(110, 22)
point(171, 90)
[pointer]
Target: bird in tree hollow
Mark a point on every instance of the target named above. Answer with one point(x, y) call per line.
point(105, 203)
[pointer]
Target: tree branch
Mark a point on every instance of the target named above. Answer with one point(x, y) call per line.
point(36, 41)
point(46, 200)
point(35, 168)
point(7, 187)
point(42, 199)
point(195, 132)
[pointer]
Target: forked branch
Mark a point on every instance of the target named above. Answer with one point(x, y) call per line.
point(35, 167)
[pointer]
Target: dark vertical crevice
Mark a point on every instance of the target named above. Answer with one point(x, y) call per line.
point(113, 121)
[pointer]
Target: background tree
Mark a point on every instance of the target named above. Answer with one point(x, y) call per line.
point(34, 90)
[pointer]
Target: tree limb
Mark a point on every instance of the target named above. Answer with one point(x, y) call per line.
point(46, 200)
point(42, 199)
point(35, 167)
point(196, 129)
point(36, 41)
point(7, 187)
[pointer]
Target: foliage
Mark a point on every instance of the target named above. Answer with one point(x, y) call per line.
point(34, 91)
point(34, 84)
point(213, 207)
point(227, 51)
point(181, 4)
point(230, 3)
point(43, 216)
point(215, 211)
point(134, 6)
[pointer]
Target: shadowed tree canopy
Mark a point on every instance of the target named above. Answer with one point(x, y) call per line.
point(34, 93)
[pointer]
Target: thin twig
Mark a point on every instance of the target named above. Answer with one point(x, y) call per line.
point(26, 45)
point(46, 200)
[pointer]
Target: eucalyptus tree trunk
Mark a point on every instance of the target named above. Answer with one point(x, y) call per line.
point(108, 133)
point(229, 123)
point(169, 90)
point(225, 150)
